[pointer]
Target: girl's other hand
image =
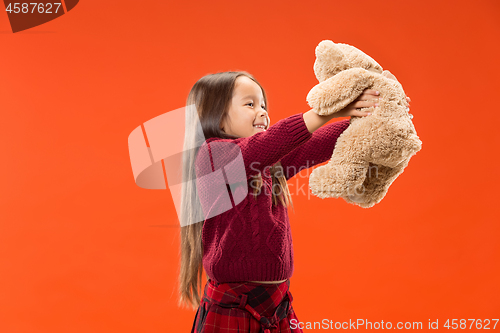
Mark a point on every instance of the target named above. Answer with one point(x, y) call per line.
point(389, 75)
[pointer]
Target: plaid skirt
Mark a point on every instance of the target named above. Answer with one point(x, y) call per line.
point(247, 307)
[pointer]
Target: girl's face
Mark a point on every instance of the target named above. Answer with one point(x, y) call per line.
point(247, 110)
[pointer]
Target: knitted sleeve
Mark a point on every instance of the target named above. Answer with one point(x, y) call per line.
point(316, 150)
point(257, 152)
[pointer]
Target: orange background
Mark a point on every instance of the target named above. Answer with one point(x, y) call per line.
point(84, 249)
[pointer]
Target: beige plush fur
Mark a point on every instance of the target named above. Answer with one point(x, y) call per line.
point(374, 150)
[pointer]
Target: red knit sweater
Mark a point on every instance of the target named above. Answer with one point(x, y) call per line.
point(246, 239)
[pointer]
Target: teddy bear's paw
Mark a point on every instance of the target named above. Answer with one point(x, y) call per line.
point(356, 199)
point(356, 193)
point(362, 204)
point(364, 201)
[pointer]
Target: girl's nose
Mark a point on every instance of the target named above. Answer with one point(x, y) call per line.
point(263, 115)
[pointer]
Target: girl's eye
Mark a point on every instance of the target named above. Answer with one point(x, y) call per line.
point(262, 106)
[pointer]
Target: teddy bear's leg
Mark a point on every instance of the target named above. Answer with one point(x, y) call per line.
point(360, 193)
point(381, 175)
point(355, 190)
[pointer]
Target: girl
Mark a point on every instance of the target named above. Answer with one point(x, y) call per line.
point(235, 172)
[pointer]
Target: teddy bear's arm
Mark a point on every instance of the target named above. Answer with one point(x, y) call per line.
point(340, 90)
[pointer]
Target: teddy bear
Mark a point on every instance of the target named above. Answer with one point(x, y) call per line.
point(374, 150)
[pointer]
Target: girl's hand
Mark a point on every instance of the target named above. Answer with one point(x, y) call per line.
point(368, 98)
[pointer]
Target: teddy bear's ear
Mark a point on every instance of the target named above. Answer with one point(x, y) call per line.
point(328, 51)
point(328, 59)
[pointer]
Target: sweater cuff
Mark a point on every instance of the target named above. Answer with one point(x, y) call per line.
point(298, 129)
point(345, 123)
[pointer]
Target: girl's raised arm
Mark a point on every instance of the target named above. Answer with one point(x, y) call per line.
point(314, 121)
point(255, 153)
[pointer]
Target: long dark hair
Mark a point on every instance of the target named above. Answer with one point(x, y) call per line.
point(209, 101)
